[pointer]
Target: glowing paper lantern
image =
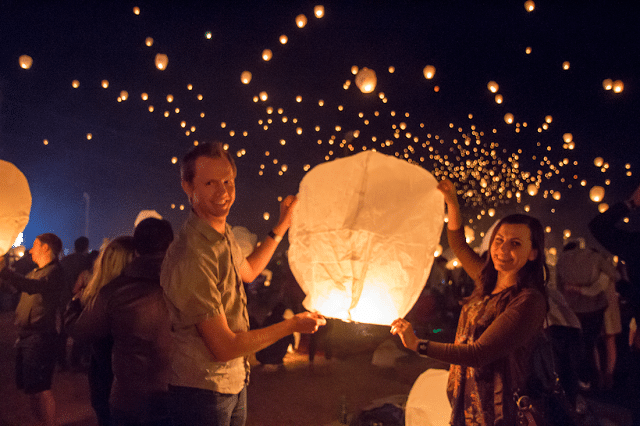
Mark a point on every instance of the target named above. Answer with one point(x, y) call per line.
point(598, 161)
point(301, 21)
point(508, 118)
point(428, 403)
point(25, 61)
point(162, 61)
point(596, 194)
point(105, 84)
point(363, 236)
point(283, 39)
point(529, 5)
point(532, 189)
point(318, 11)
point(14, 215)
point(366, 80)
point(607, 84)
point(603, 207)
point(124, 95)
point(245, 77)
point(267, 54)
point(566, 65)
point(493, 86)
point(499, 98)
point(618, 86)
point(567, 137)
point(148, 41)
point(429, 71)
point(75, 84)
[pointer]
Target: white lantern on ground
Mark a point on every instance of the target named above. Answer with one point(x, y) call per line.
point(428, 403)
point(363, 236)
point(16, 205)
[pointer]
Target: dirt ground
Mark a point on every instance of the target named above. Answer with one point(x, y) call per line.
point(298, 394)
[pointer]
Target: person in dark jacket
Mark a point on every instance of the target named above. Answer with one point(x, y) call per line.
point(131, 309)
point(36, 322)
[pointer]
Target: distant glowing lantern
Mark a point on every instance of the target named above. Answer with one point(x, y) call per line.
point(508, 118)
point(607, 84)
point(618, 86)
point(105, 84)
point(493, 86)
point(25, 61)
point(566, 65)
point(598, 161)
point(556, 195)
point(208, 35)
point(527, 50)
point(136, 10)
point(245, 77)
point(566, 234)
point(174, 160)
point(469, 234)
point(596, 194)
point(603, 207)
point(318, 11)
point(363, 236)
point(266, 216)
point(162, 61)
point(499, 98)
point(429, 71)
point(267, 54)
point(366, 80)
point(75, 84)
point(547, 229)
point(144, 96)
point(124, 95)
point(283, 39)
point(148, 41)
point(491, 212)
point(567, 137)
point(169, 98)
point(301, 21)
point(14, 215)
point(529, 5)
point(89, 136)
point(392, 69)
point(263, 96)
point(532, 189)
point(548, 119)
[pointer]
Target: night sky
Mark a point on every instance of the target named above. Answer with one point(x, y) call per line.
point(450, 125)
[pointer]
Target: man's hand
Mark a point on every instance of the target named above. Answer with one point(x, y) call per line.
point(307, 322)
point(287, 206)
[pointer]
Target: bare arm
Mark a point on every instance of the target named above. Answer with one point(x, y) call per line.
point(260, 257)
point(225, 345)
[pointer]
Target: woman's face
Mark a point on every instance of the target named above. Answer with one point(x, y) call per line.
point(511, 247)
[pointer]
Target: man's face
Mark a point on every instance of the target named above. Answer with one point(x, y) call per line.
point(39, 252)
point(213, 189)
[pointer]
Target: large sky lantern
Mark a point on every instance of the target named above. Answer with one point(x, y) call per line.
point(529, 5)
point(598, 161)
point(161, 61)
point(618, 86)
point(493, 86)
point(508, 118)
point(14, 215)
point(267, 54)
point(603, 207)
point(363, 236)
point(245, 77)
point(596, 194)
point(607, 83)
point(532, 189)
point(301, 21)
point(318, 11)
point(25, 62)
point(429, 72)
point(148, 41)
point(366, 80)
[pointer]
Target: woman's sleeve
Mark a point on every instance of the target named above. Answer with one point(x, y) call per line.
point(519, 322)
point(471, 261)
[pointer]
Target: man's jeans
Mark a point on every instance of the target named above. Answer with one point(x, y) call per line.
point(202, 407)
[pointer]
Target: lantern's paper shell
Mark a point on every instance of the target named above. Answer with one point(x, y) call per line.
point(363, 237)
point(428, 403)
point(15, 204)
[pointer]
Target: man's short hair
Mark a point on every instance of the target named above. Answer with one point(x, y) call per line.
point(207, 149)
point(54, 243)
point(152, 236)
point(81, 244)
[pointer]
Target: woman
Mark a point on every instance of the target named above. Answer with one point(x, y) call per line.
point(498, 323)
point(113, 258)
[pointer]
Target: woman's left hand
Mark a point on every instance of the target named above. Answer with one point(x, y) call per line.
point(404, 329)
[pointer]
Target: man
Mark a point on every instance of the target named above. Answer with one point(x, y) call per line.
point(202, 277)
point(36, 321)
point(132, 310)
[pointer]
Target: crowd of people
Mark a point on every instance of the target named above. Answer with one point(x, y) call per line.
point(167, 334)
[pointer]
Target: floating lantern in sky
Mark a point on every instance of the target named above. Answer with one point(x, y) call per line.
point(354, 69)
point(529, 5)
point(124, 95)
point(267, 54)
point(499, 98)
point(208, 35)
point(75, 84)
point(105, 84)
point(527, 50)
point(89, 136)
point(148, 41)
point(136, 10)
point(603, 207)
point(169, 98)
point(14, 215)
point(161, 61)
point(318, 11)
point(532, 189)
point(25, 61)
point(508, 118)
point(283, 39)
point(566, 234)
point(366, 80)
point(566, 65)
point(596, 194)
point(618, 86)
point(301, 21)
point(429, 71)
point(607, 84)
point(548, 119)
point(556, 195)
point(245, 77)
point(144, 96)
point(263, 96)
point(363, 236)
point(567, 137)
point(598, 161)
point(266, 216)
point(493, 86)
